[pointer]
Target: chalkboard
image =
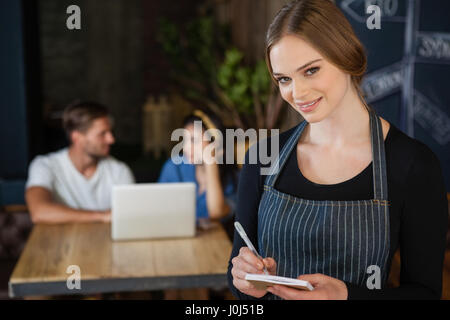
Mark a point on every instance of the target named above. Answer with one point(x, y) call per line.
point(408, 76)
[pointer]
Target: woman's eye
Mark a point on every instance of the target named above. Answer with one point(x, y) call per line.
point(311, 71)
point(283, 79)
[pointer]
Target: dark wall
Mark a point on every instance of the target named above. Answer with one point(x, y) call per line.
point(114, 59)
point(102, 62)
point(13, 125)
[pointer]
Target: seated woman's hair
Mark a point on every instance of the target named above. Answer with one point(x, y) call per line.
point(209, 120)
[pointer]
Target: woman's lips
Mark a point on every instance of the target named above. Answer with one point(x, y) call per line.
point(310, 107)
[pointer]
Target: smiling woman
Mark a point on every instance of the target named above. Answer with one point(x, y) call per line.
point(326, 29)
point(351, 188)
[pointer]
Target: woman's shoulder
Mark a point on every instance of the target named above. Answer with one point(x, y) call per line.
point(408, 145)
point(410, 153)
point(175, 161)
point(175, 169)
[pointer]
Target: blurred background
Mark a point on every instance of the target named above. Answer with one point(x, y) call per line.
point(152, 62)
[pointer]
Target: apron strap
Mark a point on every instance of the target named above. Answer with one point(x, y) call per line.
point(379, 158)
point(284, 154)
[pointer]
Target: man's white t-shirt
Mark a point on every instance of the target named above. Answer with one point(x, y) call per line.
point(57, 173)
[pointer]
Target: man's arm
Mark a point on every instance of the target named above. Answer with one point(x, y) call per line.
point(43, 209)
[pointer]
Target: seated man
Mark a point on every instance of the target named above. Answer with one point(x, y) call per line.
point(75, 184)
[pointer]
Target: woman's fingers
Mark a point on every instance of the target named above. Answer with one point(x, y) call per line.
point(240, 264)
point(250, 258)
point(271, 265)
point(247, 262)
point(239, 273)
point(287, 293)
point(240, 269)
point(243, 285)
point(256, 263)
point(314, 279)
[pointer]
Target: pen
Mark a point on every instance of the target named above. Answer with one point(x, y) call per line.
point(247, 241)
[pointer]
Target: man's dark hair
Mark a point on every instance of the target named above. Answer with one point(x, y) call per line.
point(79, 115)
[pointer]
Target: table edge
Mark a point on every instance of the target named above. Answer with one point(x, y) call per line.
point(94, 286)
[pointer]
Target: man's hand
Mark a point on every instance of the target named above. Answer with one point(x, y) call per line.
point(105, 216)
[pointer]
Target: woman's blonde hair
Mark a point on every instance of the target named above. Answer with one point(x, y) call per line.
point(324, 26)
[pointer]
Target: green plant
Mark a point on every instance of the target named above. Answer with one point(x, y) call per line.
point(213, 73)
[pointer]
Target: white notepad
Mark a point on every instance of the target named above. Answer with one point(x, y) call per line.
point(262, 281)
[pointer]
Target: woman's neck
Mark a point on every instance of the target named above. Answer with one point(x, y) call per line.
point(348, 123)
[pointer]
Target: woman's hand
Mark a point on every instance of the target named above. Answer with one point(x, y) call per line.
point(247, 262)
point(325, 288)
point(214, 154)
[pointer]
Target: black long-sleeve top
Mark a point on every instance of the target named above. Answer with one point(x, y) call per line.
point(418, 211)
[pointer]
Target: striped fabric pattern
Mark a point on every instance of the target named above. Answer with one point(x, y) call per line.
point(340, 239)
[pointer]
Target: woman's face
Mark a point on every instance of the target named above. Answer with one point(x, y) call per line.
point(193, 143)
point(310, 84)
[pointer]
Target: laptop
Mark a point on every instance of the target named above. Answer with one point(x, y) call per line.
point(153, 210)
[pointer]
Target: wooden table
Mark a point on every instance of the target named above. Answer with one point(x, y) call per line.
point(108, 266)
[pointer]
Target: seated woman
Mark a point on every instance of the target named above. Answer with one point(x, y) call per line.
point(216, 184)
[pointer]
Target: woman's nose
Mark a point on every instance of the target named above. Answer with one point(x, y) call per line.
point(300, 91)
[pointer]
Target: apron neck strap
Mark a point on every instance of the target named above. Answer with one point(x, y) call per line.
point(284, 154)
point(379, 158)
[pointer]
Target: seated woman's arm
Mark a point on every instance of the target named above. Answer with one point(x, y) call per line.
point(215, 198)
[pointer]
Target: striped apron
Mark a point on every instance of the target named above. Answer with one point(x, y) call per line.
point(340, 239)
